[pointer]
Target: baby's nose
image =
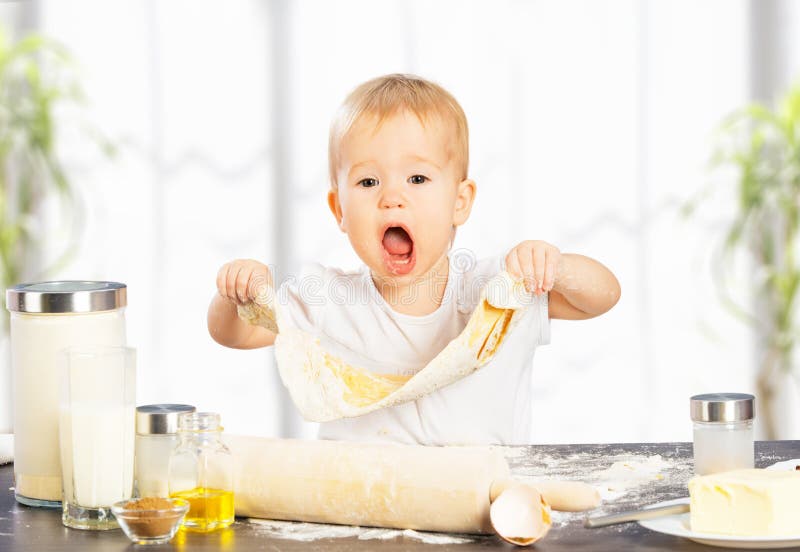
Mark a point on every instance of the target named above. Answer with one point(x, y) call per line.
point(392, 198)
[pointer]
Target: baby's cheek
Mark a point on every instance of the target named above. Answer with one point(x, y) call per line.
point(435, 235)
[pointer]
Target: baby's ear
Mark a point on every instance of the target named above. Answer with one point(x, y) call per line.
point(464, 199)
point(335, 207)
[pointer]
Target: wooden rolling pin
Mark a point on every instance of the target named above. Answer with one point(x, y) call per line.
point(373, 484)
point(565, 496)
point(446, 489)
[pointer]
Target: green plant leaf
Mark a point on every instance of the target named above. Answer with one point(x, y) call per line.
point(761, 144)
point(37, 78)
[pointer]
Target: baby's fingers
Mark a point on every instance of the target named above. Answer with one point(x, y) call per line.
point(222, 278)
point(526, 263)
point(259, 285)
point(242, 283)
point(551, 269)
point(230, 281)
point(512, 265)
point(539, 264)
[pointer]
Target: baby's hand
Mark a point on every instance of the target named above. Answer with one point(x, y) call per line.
point(244, 281)
point(537, 263)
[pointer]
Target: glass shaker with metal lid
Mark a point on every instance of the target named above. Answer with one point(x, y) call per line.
point(723, 432)
point(156, 437)
point(48, 317)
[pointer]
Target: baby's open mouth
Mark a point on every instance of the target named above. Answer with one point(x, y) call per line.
point(398, 250)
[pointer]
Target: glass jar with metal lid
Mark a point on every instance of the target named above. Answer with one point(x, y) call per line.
point(723, 432)
point(156, 437)
point(48, 317)
point(201, 472)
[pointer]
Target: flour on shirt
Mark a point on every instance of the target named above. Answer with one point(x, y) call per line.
point(451, 398)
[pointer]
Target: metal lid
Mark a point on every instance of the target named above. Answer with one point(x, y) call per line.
point(722, 407)
point(160, 418)
point(66, 296)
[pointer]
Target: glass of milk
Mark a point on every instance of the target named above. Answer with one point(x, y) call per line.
point(96, 433)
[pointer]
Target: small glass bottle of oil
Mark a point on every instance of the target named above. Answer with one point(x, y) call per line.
point(201, 472)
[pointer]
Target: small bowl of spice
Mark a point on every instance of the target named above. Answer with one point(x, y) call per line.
point(150, 520)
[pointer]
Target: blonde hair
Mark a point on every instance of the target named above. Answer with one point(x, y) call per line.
point(383, 97)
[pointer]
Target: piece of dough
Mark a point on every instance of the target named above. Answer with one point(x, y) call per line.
point(565, 496)
point(372, 484)
point(325, 387)
point(260, 312)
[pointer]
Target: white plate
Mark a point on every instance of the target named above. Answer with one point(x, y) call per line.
point(785, 465)
point(678, 525)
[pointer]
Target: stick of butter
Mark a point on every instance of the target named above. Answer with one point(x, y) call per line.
point(752, 502)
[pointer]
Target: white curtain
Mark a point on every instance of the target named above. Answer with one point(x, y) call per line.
point(591, 123)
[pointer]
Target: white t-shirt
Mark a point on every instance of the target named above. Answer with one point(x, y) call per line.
point(490, 406)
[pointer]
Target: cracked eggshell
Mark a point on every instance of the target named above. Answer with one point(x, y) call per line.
point(520, 515)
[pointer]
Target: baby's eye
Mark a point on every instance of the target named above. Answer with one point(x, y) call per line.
point(368, 182)
point(418, 179)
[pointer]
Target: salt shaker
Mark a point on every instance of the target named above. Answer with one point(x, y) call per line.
point(156, 437)
point(723, 432)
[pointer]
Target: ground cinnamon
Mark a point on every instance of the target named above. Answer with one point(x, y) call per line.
point(149, 503)
point(150, 516)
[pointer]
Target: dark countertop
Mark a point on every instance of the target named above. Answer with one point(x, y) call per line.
point(633, 475)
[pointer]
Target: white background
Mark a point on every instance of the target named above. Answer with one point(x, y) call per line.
point(591, 123)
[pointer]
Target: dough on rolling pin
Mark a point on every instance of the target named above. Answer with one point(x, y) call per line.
point(565, 496)
point(326, 387)
point(370, 484)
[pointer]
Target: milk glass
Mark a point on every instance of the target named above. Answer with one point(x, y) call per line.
point(96, 430)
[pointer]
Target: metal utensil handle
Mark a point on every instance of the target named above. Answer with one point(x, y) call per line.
point(635, 515)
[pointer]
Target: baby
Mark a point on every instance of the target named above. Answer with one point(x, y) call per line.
point(398, 158)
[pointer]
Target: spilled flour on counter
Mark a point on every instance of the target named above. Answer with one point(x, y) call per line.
point(624, 479)
point(627, 476)
point(306, 532)
point(624, 475)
